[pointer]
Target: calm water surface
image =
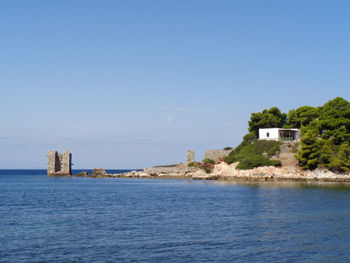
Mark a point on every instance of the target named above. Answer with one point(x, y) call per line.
point(61, 219)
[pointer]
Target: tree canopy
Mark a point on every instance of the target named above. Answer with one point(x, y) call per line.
point(301, 116)
point(325, 139)
point(325, 130)
point(272, 118)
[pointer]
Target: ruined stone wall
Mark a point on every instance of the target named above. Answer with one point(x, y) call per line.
point(66, 164)
point(52, 162)
point(190, 156)
point(181, 168)
point(216, 155)
point(59, 163)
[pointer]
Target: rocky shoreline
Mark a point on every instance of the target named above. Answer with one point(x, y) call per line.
point(224, 171)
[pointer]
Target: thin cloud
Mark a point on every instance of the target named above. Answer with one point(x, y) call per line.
point(173, 113)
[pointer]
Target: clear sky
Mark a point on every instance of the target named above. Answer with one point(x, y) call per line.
point(129, 84)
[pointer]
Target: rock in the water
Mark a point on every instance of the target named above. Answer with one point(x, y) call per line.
point(81, 174)
point(99, 172)
point(144, 175)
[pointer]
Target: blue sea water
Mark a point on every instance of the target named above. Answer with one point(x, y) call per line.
point(67, 219)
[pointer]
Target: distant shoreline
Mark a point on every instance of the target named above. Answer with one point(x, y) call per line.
point(226, 172)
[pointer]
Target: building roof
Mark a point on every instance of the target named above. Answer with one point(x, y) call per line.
point(282, 129)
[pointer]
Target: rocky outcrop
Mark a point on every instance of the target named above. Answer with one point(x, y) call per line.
point(99, 172)
point(224, 171)
point(82, 174)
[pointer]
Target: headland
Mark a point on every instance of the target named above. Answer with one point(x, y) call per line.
point(307, 144)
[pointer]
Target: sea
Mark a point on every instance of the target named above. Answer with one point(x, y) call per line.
point(68, 219)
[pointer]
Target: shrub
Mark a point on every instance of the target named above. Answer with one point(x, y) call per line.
point(191, 164)
point(295, 149)
point(253, 148)
point(228, 148)
point(249, 153)
point(231, 158)
point(256, 161)
point(208, 161)
point(207, 169)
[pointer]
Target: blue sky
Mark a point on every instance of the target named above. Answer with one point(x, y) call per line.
point(130, 84)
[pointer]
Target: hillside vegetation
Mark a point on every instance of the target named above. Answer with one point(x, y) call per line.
point(252, 153)
point(325, 136)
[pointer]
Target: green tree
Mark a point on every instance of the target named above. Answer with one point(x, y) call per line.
point(309, 153)
point(340, 162)
point(336, 108)
point(292, 121)
point(272, 118)
point(344, 156)
point(334, 121)
point(327, 151)
point(302, 116)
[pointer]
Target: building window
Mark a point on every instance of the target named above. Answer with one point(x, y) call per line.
point(267, 134)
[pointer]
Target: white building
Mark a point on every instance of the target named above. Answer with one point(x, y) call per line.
point(279, 134)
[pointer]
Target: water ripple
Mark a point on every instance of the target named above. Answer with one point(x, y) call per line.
point(135, 220)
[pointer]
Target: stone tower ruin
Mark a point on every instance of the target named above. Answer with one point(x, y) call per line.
point(190, 156)
point(59, 163)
